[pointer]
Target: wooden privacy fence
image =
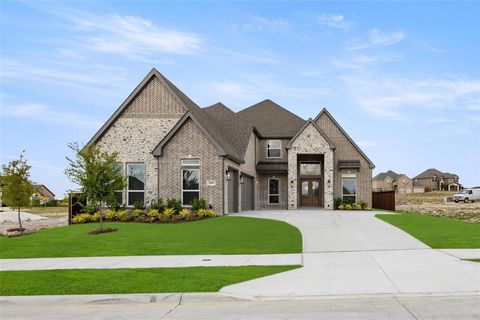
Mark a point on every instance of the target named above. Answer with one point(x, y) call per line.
point(383, 200)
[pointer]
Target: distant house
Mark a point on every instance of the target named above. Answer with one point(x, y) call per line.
point(42, 193)
point(392, 181)
point(435, 180)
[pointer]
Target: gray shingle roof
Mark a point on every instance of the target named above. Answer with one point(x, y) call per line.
point(389, 173)
point(427, 174)
point(236, 130)
point(272, 120)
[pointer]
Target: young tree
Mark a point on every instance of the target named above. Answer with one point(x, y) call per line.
point(97, 175)
point(17, 188)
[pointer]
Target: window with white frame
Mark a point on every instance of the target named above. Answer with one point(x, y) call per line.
point(274, 148)
point(136, 183)
point(190, 181)
point(119, 193)
point(273, 191)
point(349, 190)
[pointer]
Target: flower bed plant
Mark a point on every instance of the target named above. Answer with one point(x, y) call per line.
point(172, 212)
point(349, 205)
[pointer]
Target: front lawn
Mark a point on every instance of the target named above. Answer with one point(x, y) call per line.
point(98, 281)
point(223, 235)
point(438, 233)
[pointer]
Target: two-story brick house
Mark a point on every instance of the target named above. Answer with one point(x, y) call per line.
point(261, 157)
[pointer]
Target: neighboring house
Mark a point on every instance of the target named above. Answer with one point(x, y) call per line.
point(398, 182)
point(42, 193)
point(261, 157)
point(435, 180)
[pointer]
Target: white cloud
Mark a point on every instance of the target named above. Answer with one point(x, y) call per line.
point(440, 120)
point(130, 34)
point(334, 21)
point(44, 113)
point(378, 38)
point(257, 23)
point(385, 96)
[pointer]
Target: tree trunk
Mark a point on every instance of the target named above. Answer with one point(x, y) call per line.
point(20, 220)
point(101, 216)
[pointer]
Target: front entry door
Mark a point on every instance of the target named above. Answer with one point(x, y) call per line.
point(310, 193)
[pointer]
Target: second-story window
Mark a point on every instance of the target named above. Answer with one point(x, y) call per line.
point(274, 148)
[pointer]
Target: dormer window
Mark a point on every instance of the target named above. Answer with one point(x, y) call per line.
point(274, 148)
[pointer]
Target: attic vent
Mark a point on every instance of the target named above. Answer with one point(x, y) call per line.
point(349, 164)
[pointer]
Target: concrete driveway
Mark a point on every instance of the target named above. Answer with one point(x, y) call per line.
point(352, 253)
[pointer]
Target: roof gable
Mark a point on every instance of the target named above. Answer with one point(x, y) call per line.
point(326, 113)
point(189, 115)
point(307, 123)
point(429, 173)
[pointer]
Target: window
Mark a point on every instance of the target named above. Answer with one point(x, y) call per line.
point(136, 183)
point(310, 169)
point(190, 181)
point(274, 149)
point(119, 193)
point(273, 193)
point(349, 189)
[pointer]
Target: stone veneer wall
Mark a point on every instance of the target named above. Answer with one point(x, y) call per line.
point(263, 191)
point(140, 127)
point(191, 142)
point(310, 141)
point(345, 150)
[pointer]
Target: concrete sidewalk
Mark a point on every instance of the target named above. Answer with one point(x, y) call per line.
point(463, 253)
point(150, 262)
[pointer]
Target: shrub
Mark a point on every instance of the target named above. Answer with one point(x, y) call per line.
point(174, 204)
point(90, 208)
point(95, 217)
point(341, 207)
point(184, 213)
point(138, 205)
point(358, 206)
point(137, 213)
point(168, 212)
point(51, 203)
point(111, 215)
point(348, 206)
point(82, 218)
point(349, 201)
point(338, 202)
point(198, 204)
point(364, 205)
point(153, 214)
point(121, 215)
point(157, 204)
point(204, 213)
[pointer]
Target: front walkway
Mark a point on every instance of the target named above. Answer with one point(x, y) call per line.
point(350, 253)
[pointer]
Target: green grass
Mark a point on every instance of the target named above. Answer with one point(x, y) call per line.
point(473, 260)
point(438, 233)
point(98, 281)
point(223, 235)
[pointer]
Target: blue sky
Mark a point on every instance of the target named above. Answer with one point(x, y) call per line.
point(403, 79)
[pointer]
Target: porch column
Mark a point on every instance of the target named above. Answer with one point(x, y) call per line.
point(328, 179)
point(292, 182)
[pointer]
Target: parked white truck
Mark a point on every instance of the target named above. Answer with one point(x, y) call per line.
point(467, 195)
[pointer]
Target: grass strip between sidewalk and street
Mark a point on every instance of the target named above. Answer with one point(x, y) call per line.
point(438, 233)
point(222, 235)
point(111, 281)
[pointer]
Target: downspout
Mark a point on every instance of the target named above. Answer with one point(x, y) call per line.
point(158, 177)
point(223, 186)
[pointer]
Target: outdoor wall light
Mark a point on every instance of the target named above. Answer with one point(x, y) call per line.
point(229, 175)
